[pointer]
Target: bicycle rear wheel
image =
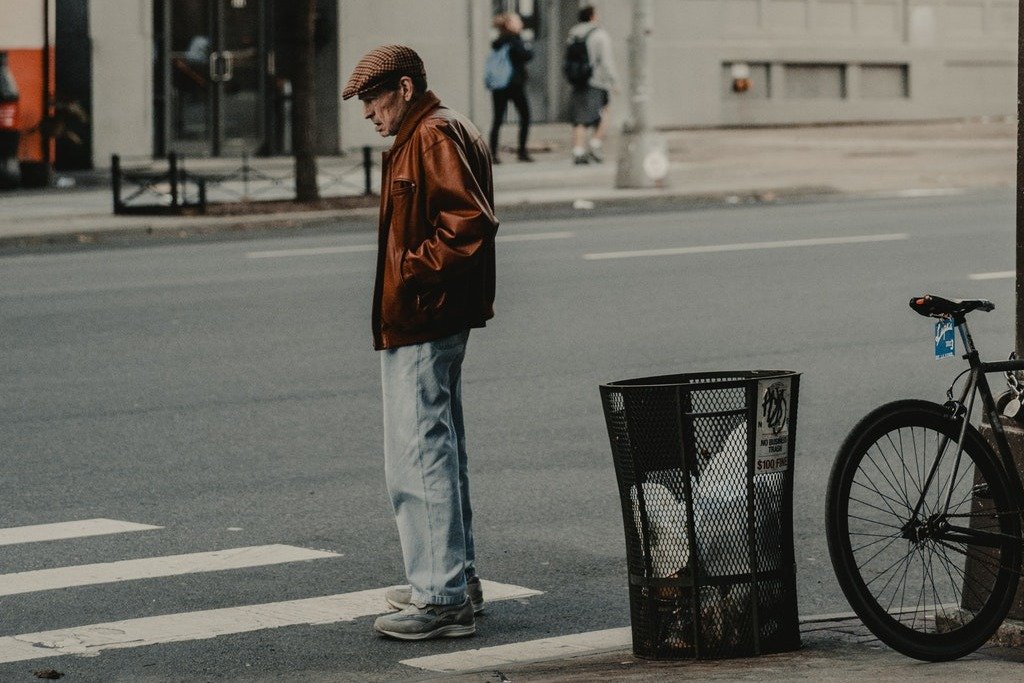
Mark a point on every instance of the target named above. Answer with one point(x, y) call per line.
point(933, 585)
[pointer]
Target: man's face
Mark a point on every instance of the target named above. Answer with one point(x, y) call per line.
point(387, 108)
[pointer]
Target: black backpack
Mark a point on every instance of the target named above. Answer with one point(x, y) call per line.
point(576, 65)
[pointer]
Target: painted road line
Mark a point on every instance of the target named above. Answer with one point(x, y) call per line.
point(998, 275)
point(358, 248)
point(317, 251)
point(561, 647)
point(92, 639)
point(748, 246)
point(529, 237)
point(926, 192)
point(153, 567)
point(62, 530)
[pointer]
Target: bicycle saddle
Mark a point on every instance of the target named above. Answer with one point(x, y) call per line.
point(937, 307)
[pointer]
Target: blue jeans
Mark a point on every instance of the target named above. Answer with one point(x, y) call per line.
point(425, 466)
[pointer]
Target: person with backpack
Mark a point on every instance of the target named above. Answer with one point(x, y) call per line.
point(505, 77)
point(589, 67)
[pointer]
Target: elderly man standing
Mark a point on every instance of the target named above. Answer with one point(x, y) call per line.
point(435, 281)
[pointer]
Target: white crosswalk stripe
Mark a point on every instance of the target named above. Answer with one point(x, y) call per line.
point(561, 647)
point(64, 530)
point(155, 567)
point(186, 626)
point(91, 639)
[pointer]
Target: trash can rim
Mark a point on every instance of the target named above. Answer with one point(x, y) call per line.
point(695, 378)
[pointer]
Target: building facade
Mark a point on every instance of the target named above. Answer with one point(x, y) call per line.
point(211, 77)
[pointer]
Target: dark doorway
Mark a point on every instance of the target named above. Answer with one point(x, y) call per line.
point(211, 75)
point(73, 59)
point(223, 76)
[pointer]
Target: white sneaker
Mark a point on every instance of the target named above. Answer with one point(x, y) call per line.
point(400, 597)
point(423, 622)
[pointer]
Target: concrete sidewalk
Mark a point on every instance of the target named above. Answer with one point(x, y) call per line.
point(726, 166)
point(835, 648)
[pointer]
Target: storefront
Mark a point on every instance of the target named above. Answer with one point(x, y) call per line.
point(26, 41)
point(212, 77)
point(222, 76)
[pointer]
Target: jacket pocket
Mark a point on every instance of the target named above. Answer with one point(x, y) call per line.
point(402, 186)
point(431, 301)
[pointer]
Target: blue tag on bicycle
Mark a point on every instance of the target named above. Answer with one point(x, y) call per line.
point(945, 339)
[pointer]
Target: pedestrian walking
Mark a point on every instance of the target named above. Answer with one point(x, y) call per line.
point(505, 76)
point(590, 68)
point(435, 281)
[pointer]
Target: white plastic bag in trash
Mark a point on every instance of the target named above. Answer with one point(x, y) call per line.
point(666, 516)
point(720, 509)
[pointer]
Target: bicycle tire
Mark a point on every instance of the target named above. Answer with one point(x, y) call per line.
point(870, 521)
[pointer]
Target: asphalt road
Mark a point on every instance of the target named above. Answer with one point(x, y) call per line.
point(230, 396)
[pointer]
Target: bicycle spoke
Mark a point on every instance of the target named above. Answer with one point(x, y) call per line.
point(884, 500)
point(906, 501)
point(880, 551)
point(875, 522)
point(881, 539)
point(873, 507)
point(901, 586)
point(946, 565)
point(938, 602)
point(886, 570)
point(992, 567)
point(898, 451)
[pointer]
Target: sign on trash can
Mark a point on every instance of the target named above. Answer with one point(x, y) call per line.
point(704, 464)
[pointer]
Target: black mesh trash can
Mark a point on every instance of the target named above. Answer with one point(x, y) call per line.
point(704, 464)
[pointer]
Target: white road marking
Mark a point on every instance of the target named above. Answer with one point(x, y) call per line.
point(926, 192)
point(312, 252)
point(562, 647)
point(529, 237)
point(358, 248)
point(92, 639)
point(153, 567)
point(748, 246)
point(61, 530)
point(998, 275)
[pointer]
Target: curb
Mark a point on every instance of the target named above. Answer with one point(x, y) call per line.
point(250, 226)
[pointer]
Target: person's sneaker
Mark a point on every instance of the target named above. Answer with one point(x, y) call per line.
point(580, 159)
point(421, 622)
point(595, 155)
point(400, 597)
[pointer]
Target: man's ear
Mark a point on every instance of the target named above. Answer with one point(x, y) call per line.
point(406, 88)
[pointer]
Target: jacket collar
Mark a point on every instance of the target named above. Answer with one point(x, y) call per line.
point(426, 104)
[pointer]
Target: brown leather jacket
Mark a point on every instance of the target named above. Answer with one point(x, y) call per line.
point(435, 255)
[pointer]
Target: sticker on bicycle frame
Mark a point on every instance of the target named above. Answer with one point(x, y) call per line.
point(774, 400)
point(945, 339)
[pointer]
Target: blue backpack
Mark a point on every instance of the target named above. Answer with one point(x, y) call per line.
point(498, 69)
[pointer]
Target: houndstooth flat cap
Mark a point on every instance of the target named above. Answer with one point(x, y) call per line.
point(378, 65)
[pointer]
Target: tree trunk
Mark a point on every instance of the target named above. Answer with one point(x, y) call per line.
point(304, 104)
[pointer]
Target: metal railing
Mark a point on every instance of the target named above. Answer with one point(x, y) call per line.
point(155, 187)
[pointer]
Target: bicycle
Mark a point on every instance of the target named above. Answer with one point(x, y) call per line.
point(925, 538)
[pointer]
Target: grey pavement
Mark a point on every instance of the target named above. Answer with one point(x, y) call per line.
point(731, 166)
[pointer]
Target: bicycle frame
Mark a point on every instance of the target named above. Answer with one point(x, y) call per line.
point(977, 382)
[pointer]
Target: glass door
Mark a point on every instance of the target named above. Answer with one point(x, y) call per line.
point(238, 63)
point(214, 76)
point(190, 89)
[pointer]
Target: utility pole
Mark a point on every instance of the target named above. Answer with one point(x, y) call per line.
point(1020, 182)
point(304, 102)
point(643, 157)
